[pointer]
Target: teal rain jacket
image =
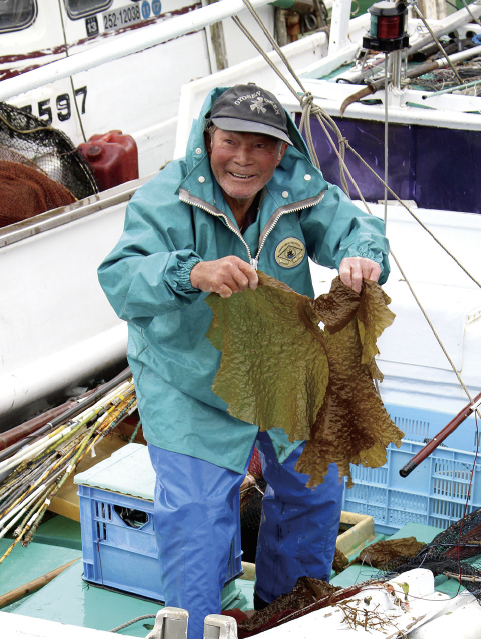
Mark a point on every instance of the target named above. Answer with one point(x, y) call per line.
point(179, 217)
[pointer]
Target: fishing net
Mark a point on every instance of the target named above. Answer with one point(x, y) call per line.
point(454, 553)
point(441, 79)
point(47, 149)
point(26, 191)
point(251, 493)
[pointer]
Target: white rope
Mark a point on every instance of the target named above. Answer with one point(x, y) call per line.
point(132, 621)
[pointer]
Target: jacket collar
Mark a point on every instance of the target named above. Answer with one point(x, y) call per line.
point(294, 180)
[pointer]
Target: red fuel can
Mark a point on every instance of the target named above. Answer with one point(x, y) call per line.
point(113, 158)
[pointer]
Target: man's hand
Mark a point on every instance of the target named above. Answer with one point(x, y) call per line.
point(352, 270)
point(224, 276)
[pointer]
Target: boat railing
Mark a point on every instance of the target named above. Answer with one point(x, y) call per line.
point(57, 217)
point(122, 46)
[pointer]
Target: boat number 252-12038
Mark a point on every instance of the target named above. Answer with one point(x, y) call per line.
point(121, 17)
point(62, 106)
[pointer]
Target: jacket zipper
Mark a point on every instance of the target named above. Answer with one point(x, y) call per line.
point(187, 198)
point(278, 213)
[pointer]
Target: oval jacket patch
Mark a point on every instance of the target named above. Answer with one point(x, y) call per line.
point(289, 252)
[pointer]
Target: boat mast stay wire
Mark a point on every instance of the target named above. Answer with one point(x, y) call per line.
point(71, 79)
point(306, 101)
point(386, 135)
point(414, 5)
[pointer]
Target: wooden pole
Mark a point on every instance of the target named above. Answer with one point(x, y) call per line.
point(32, 586)
point(439, 438)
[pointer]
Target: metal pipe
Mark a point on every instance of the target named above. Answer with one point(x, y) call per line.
point(442, 27)
point(458, 57)
point(451, 89)
point(386, 135)
point(396, 61)
point(124, 45)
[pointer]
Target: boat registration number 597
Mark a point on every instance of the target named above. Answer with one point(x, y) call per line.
point(118, 18)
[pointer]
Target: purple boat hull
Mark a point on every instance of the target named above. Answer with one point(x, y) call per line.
point(437, 168)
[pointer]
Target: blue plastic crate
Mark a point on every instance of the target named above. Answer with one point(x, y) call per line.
point(116, 554)
point(434, 493)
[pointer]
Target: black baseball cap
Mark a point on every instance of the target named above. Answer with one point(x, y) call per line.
point(249, 109)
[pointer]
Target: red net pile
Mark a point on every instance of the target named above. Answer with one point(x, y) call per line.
point(26, 191)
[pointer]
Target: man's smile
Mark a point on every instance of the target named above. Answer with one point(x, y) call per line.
point(240, 176)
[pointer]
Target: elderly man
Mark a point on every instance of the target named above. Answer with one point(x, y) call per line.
point(245, 196)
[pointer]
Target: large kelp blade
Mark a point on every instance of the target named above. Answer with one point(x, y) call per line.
point(278, 369)
point(374, 316)
point(352, 427)
point(273, 371)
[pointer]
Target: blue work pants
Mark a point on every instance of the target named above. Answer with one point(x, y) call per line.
point(195, 525)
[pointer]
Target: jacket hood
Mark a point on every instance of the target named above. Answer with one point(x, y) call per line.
point(295, 170)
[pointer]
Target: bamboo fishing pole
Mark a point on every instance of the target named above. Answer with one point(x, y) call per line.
point(71, 447)
point(118, 412)
point(60, 434)
point(50, 467)
point(82, 451)
point(68, 434)
point(79, 405)
point(30, 587)
point(25, 527)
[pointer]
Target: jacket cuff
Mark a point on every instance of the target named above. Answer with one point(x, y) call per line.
point(367, 253)
point(184, 283)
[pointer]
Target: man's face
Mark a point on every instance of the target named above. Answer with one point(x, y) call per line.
point(243, 163)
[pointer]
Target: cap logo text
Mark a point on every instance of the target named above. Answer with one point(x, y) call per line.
point(258, 102)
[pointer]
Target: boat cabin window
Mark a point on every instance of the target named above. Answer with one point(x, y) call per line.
point(80, 8)
point(17, 14)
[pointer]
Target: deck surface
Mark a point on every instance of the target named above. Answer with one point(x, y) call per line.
point(68, 599)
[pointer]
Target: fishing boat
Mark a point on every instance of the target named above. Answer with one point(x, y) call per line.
point(430, 370)
point(80, 79)
point(418, 383)
point(36, 33)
